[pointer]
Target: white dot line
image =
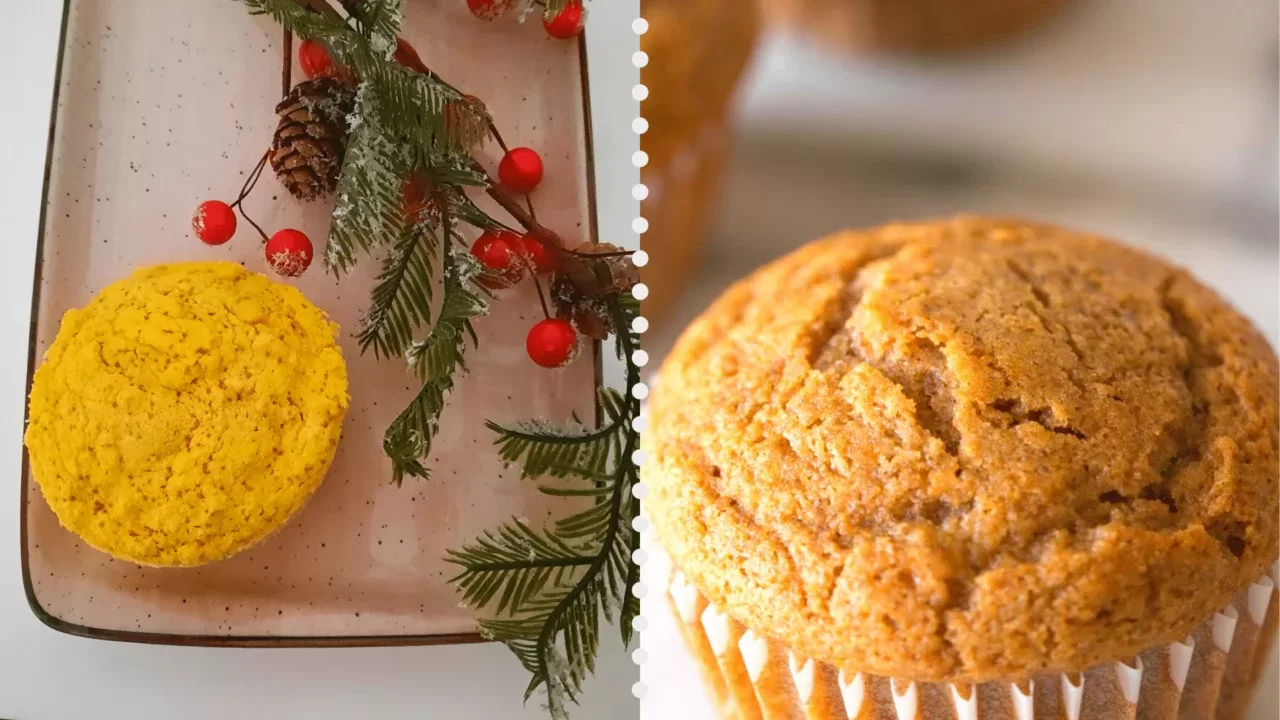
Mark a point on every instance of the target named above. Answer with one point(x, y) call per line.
point(640, 291)
point(637, 458)
point(640, 126)
point(640, 191)
point(639, 656)
point(640, 159)
point(640, 59)
point(640, 225)
point(638, 491)
point(640, 26)
point(640, 325)
point(640, 93)
point(639, 690)
point(639, 391)
point(639, 590)
point(640, 358)
point(640, 258)
point(639, 523)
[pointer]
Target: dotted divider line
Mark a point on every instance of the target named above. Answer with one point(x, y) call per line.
point(640, 391)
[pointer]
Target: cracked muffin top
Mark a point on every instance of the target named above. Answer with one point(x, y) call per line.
point(967, 450)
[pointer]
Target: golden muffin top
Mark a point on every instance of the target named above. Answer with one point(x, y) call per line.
point(967, 450)
point(697, 51)
point(186, 413)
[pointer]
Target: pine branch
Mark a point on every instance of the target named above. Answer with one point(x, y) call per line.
point(553, 627)
point(515, 564)
point(402, 296)
point(437, 360)
point(369, 212)
point(379, 21)
point(299, 20)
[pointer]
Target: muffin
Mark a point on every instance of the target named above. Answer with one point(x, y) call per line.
point(969, 468)
point(921, 27)
point(186, 413)
point(697, 51)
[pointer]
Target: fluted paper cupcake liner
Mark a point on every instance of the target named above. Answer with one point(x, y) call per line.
point(1208, 675)
point(682, 196)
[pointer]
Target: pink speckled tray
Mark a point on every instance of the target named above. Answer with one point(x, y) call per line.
point(162, 105)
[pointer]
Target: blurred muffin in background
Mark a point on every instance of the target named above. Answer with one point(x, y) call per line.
point(697, 51)
point(923, 27)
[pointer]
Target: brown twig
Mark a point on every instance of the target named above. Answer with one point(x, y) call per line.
point(286, 73)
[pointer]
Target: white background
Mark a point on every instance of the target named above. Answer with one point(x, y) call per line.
point(48, 675)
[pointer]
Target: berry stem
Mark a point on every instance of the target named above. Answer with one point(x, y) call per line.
point(249, 184)
point(497, 136)
point(533, 273)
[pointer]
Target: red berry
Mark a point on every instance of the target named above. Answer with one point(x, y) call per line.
point(539, 256)
point(552, 343)
point(496, 250)
point(289, 253)
point(214, 222)
point(315, 60)
point(490, 9)
point(520, 170)
point(408, 57)
point(568, 23)
point(417, 198)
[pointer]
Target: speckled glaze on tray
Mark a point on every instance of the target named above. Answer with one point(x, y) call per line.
point(162, 105)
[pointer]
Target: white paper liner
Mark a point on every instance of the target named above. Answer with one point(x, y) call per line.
point(1207, 675)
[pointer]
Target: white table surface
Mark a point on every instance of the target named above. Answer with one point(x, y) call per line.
point(45, 675)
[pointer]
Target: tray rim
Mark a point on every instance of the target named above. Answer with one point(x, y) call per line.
point(234, 641)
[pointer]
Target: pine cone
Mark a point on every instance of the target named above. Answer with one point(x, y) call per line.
point(311, 139)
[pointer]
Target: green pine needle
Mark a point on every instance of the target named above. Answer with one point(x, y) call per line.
point(302, 22)
point(437, 360)
point(379, 20)
point(370, 210)
point(402, 296)
point(548, 590)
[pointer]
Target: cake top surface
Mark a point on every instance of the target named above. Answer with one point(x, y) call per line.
point(967, 450)
point(186, 412)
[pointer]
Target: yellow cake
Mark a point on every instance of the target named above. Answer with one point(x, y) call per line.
point(186, 413)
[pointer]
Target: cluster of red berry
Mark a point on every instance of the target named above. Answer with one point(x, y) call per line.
point(509, 257)
point(566, 24)
point(288, 251)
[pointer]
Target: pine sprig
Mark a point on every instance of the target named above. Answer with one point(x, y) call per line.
point(401, 301)
point(437, 360)
point(369, 212)
point(379, 20)
point(302, 22)
point(551, 621)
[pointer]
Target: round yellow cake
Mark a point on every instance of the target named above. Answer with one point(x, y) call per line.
point(186, 413)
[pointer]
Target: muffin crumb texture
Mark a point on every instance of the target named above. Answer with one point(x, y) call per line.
point(967, 450)
point(186, 413)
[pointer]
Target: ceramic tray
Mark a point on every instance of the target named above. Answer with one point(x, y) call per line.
point(161, 105)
